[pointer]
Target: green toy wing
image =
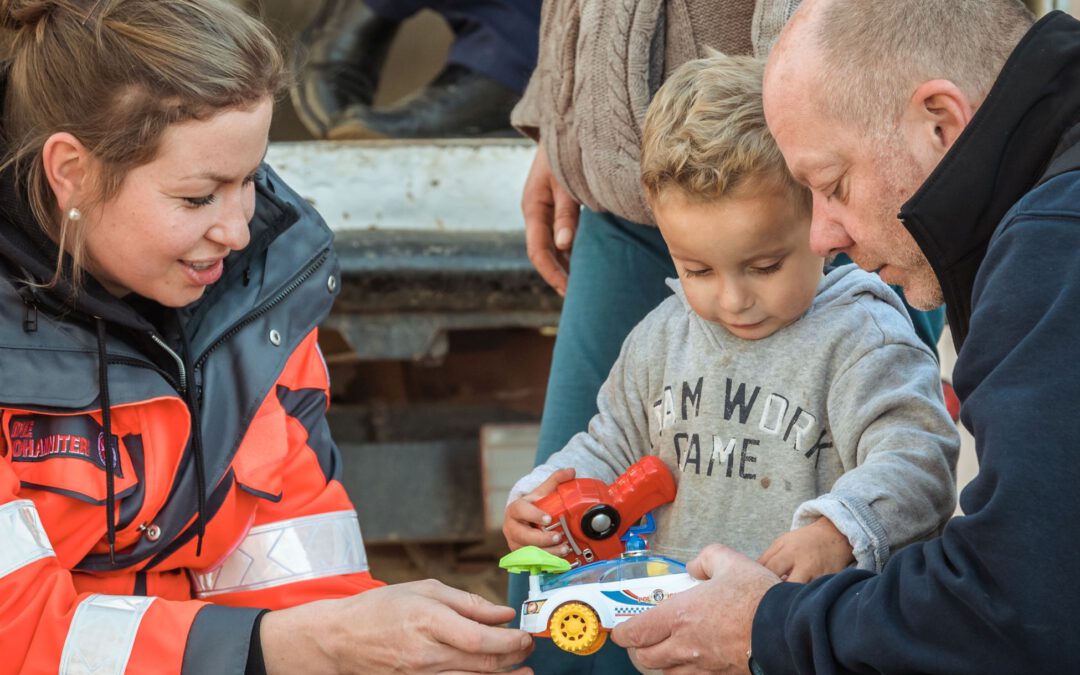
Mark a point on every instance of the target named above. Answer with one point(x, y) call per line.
point(532, 560)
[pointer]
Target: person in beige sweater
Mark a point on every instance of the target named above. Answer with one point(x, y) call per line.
point(599, 64)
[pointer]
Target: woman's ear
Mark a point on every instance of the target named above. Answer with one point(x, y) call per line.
point(67, 165)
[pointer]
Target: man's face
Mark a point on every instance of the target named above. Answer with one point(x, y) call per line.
point(858, 183)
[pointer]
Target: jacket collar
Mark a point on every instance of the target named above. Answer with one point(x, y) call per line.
point(997, 159)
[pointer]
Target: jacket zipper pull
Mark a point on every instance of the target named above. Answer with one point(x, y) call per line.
point(30, 318)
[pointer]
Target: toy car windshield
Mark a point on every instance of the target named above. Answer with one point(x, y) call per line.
point(620, 569)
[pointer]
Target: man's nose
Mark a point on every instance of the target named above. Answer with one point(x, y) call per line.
point(828, 235)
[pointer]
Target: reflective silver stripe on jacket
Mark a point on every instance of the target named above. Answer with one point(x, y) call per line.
point(102, 634)
point(23, 536)
point(279, 553)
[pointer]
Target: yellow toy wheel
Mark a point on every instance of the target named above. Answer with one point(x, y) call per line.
point(575, 628)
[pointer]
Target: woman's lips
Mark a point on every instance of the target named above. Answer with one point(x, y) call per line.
point(204, 272)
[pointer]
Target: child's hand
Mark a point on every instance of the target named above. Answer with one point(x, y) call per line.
point(809, 552)
point(523, 520)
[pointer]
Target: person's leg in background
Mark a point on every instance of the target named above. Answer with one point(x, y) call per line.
point(617, 273)
point(339, 54)
point(490, 61)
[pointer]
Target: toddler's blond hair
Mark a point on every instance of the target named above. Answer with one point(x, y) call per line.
point(705, 134)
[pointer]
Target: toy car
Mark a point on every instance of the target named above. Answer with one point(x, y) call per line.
point(577, 608)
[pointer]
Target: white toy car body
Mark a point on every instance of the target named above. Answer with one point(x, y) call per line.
point(577, 608)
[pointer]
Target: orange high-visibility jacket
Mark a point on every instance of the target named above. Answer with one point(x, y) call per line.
point(246, 391)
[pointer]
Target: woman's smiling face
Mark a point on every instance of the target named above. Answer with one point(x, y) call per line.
point(166, 232)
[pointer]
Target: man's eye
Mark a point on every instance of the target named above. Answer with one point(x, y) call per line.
point(200, 201)
point(836, 192)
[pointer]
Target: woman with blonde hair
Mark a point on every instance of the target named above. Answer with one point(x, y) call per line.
point(166, 470)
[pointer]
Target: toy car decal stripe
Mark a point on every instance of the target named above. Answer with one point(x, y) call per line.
point(23, 535)
point(102, 634)
point(630, 611)
point(626, 598)
point(279, 553)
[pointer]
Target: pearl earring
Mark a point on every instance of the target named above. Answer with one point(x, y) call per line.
point(74, 213)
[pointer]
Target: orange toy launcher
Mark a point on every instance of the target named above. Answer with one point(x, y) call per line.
point(593, 516)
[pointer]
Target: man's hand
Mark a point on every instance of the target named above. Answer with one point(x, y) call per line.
point(809, 552)
point(705, 629)
point(523, 520)
point(551, 219)
point(418, 627)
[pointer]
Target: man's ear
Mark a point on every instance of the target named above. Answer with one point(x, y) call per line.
point(67, 165)
point(941, 111)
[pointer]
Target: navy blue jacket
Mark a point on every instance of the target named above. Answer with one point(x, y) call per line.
point(997, 592)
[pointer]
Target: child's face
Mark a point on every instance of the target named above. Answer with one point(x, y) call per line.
point(745, 263)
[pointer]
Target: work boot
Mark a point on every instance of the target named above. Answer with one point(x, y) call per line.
point(337, 60)
point(460, 102)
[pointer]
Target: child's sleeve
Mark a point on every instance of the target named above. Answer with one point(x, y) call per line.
point(899, 449)
point(618, 435)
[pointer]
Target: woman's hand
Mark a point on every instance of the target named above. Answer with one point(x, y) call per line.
point(551, 219)
point(524, 520)
point(417, 627)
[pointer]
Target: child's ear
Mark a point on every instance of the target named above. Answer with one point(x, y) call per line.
point(67, 164)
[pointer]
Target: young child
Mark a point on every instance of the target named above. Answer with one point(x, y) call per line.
point(799, 412)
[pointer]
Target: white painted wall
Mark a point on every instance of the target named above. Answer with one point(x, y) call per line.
point(472, 185)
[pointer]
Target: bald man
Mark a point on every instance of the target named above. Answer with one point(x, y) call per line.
point(941, 141)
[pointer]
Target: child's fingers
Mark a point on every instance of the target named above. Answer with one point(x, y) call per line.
point(561, 550)
point(780, 564)
point(772, 551)
point(523, 534)
point(800, 575)
point(527, 512)
point(549, 485)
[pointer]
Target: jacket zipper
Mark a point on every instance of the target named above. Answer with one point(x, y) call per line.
point(266, 307)
point(179, 362)
point(137, 363)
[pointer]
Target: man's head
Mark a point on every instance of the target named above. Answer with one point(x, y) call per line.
point(865, 98)
point(736, 223)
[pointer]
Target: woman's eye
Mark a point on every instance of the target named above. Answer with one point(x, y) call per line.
point(696, 273)
point(200, 201)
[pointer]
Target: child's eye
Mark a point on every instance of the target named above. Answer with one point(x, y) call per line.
point(200, 201)
point(695, 273)
point(770, 269)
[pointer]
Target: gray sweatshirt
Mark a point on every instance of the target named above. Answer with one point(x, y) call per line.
point(839, 415)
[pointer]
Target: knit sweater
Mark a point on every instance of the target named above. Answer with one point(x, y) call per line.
point(600, 63)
